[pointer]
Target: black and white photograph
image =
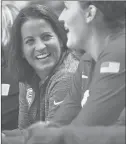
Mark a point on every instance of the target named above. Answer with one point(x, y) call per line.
point(63, 72)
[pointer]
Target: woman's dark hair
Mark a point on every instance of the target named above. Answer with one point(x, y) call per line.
point(113, 11)
point(20, 67)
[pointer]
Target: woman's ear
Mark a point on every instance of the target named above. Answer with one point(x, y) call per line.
point(90, 13)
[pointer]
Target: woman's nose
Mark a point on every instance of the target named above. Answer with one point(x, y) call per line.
point(40, 45)
point(61, 17)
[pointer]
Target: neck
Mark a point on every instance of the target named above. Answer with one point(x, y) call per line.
point(43, 74)
point(96, 44)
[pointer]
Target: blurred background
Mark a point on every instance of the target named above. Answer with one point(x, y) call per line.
point(57, 6)
point(10, 90)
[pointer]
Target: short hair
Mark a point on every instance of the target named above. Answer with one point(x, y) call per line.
point(113, 11)
point(24, 72)
point(9, 13)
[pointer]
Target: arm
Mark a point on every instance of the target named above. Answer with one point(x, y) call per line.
point(106, 93)
point(75, 135)
point(59, 89)
point(71, 105)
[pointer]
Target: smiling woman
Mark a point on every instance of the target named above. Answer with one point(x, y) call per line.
point(41, 45)
point(41, 63)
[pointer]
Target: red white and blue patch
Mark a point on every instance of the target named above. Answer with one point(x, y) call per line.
point(110, 67)
point(29, 96)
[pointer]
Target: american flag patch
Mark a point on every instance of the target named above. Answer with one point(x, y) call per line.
point(110, 67)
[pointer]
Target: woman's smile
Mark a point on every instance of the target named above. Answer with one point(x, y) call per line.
point(42, 56)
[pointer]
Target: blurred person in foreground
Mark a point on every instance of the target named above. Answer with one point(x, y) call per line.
point(42, 64)
point(98, 27)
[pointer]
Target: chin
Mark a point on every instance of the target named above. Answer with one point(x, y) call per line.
point(70, 45)
point(48, 66)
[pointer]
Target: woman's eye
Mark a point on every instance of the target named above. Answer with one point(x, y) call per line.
point(30, 41)
point(46, 37)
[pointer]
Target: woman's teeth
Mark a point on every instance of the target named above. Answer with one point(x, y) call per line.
point(42, 56)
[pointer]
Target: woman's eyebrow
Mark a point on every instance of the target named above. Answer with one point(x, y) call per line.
point(28, 37)
point(46, 32)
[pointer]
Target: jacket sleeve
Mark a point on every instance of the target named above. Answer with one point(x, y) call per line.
point(59, 90)
point(75, 135)
point(23, 108)
point(72, 103)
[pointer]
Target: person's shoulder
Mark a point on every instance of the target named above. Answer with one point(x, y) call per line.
point(61, 75)
point(60, 79)
point(114, 53)
point(116, 45)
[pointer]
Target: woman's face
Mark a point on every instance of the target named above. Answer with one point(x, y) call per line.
point(74, 23)
point(40, 44)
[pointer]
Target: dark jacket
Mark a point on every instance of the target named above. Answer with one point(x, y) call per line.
point(103, 96)
point(42, 105)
